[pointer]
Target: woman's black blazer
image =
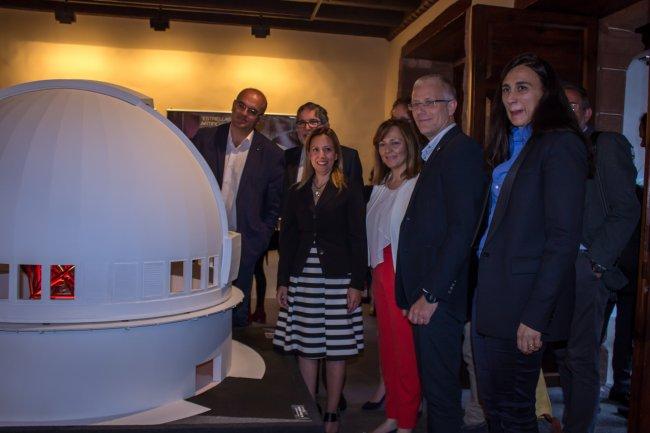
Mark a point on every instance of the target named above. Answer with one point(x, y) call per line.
point(338, 225)
point(527, 265)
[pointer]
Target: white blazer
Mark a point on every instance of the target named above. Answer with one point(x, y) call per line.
point(396, 216)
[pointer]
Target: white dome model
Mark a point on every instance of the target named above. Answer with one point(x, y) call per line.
point(110, 222)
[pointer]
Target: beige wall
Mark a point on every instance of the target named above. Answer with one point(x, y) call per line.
point(200, 66)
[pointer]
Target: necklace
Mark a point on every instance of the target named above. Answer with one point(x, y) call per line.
point(317, 189)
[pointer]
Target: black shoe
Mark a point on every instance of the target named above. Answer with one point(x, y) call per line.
point(619, 397)
point(374, 405)
point(343, 403)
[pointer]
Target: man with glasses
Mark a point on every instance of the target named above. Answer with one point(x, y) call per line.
point(435, 241)
point(310, 116)
point(250, 171)
point(611, 214)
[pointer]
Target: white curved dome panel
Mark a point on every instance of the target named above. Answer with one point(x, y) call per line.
point(91, 176)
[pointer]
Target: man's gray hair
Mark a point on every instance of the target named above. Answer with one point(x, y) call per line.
point(447, 87)
point(319, 111)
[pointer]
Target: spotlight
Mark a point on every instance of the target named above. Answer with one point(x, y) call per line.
point(64, 14)
point(260, 30)
point(159, 22)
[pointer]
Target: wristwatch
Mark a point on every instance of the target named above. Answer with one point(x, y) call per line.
point(429, 297)
point(597, 268)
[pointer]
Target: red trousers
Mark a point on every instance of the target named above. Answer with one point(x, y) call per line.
point(396, 349)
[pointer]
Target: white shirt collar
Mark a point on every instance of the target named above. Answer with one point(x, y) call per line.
point(244, 145)
point(429, 148)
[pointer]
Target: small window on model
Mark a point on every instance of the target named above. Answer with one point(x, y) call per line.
point(176, 277)
point(62, 282)
point(29, 282)
point(212, 272)
point(4, 280)
point(196, 274)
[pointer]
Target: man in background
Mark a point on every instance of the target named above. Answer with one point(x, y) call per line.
point(310, 116)
point(611, 214)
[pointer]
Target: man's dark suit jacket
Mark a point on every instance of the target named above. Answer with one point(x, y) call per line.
point(351, 163)
point(438, 227)
point(260, 188)
point(527, 266)
point(337, 223)
point(606, 233)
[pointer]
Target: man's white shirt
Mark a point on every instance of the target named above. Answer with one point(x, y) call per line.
point(301, 165)
point(232, 171)
point(435, 141)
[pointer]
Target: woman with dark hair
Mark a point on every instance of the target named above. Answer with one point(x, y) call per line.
point(397, 164)
point(323, 258)
point(539, 161)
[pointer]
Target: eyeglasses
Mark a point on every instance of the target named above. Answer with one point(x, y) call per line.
point(429, 103)
point(574, 106)
point(240, 106)
point(311, 122)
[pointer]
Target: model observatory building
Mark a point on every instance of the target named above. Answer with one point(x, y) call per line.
point(115, 257)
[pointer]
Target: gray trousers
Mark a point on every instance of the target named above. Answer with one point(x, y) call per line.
point(473, 411)
point(579, 362)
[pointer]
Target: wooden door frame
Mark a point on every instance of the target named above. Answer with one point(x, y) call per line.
point(639, 418)
point(430, 31)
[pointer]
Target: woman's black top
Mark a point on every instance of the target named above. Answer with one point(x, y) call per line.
point(335, 226)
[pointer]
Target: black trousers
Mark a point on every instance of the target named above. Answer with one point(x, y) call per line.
point(244, 282)
point(260, 283)
point(579, 362)
point(625, 303)
point(438, 350)
point(506, 381)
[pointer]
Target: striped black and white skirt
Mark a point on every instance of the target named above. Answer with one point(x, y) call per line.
point(316, 323)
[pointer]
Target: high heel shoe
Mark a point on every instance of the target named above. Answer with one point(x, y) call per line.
point(373, 405)
point(331, 417)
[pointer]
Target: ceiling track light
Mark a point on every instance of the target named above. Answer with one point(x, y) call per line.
point(64, 14)
point(159, 22)
point(260, 30)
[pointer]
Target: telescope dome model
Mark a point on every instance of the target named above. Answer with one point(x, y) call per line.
point(115, 257)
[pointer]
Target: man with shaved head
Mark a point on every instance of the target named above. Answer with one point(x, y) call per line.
point(435, 243)
point(250, 171)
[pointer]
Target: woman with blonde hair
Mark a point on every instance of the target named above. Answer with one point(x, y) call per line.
point(322, 270)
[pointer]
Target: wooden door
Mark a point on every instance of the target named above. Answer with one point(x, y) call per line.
point(498, 34)
point(639, 419)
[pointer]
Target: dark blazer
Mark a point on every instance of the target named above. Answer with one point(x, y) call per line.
point(260, 187)
point(338, 225)
point(605, 234)
point(351, 163)
point(439, 224)
point(527, 266)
